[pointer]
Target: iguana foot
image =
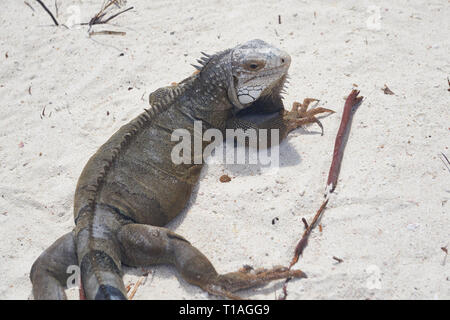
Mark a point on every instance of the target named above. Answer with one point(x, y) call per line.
point(300, 115)
point(225, 284)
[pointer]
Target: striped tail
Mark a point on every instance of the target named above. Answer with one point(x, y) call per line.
point(99, 254)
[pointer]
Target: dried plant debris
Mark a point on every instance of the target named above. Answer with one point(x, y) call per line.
point(225, 178)
point(305, 223)
point(351, 103)
point(446, 254)
point(386, 90)
point(339, 260)
point(448, 81)
point(445, 160)
point(49, 12)
point(28, 5)
point(108, 7)
point(107, 32)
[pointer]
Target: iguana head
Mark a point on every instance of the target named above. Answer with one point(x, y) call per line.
point(258, 73)
point(253, 73)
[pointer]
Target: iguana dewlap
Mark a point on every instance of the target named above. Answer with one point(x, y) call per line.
point(130, 188)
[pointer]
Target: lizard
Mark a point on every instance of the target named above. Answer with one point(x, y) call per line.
point(130, 189)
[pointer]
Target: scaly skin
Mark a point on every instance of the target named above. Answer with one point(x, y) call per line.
point(130, 188)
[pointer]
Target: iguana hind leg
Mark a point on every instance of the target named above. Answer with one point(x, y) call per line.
point(49, 272)
point(143, 245)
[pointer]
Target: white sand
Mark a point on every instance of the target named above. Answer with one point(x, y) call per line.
point(389, 217)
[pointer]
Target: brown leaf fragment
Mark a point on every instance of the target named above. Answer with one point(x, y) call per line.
point(225, 178)
point(339, 260)
point(448, 81)
point(6, 55)
point(386, 90)
point(444, 249)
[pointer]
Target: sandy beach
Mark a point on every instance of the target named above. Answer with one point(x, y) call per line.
point(63, 93)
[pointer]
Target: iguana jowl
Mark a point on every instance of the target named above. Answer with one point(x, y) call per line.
point(130, 188)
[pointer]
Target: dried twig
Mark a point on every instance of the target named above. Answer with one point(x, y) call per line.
point(115, 15)
point(98, 18)
point(446, 254)
point(305, 223)
point(107, 32)
point(339, 146)
point(341, 139)
point(56, 9)
point(448, 162)
point(284, 296)
point(136, 286)
point(48, 11)
point(81, 291)
point(304, 240)
point(29, 5)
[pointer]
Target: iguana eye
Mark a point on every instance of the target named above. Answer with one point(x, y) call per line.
point(254, 65)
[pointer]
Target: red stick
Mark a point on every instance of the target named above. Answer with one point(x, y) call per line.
point(341, 139)
point(81, 290)
point(333, 175)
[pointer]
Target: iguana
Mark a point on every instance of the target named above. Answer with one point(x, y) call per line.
point(130, 188)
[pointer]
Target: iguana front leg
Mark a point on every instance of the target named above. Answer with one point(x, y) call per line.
point(143, 245)
point(283, 120)
point(300, 115)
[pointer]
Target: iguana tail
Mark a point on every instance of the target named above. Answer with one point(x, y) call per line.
point(98, 254)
